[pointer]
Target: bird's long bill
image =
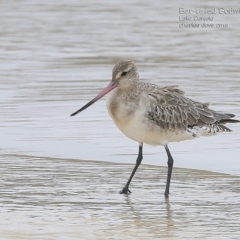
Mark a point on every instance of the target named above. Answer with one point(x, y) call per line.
point(106, 90)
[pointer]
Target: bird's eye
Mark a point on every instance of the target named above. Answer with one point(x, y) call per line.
point(124, 73)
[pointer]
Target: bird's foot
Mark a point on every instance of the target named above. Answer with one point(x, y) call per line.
point(125, 190)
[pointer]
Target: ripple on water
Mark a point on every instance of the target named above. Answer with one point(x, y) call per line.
point(65, 198)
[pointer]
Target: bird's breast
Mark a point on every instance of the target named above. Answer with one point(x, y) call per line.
point(121, 107)
point(129, 115)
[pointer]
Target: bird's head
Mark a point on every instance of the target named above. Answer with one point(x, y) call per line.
point(124, 75)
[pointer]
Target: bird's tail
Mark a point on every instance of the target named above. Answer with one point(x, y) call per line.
point(222, 119)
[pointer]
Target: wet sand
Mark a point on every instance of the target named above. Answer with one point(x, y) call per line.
point(51, 198)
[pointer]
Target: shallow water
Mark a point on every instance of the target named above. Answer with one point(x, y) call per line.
point(57, 56)
point(54, 57)
point(49, 198)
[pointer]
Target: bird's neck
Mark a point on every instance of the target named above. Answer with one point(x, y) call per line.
point(129, 87)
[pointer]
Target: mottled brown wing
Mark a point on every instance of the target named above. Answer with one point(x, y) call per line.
point(170, 109)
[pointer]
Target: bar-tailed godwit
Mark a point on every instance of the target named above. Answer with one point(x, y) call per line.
point(148, 113)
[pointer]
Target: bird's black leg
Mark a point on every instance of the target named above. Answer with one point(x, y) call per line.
point(125, 190)
point(170, 167)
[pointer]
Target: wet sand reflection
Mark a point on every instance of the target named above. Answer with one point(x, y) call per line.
point(51, 198)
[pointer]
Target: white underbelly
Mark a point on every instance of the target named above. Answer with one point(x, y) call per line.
point(142, 132)
point(138, 128)
point(151, 134)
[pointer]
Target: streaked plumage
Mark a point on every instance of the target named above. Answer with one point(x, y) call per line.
point(162, 114)
point(148, 113)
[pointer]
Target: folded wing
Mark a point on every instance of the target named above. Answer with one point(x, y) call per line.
point(171, 109)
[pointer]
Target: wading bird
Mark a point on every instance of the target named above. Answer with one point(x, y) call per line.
point(155, 115)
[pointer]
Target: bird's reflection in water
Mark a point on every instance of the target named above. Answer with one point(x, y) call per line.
point(169, 215)
point(158, 216)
